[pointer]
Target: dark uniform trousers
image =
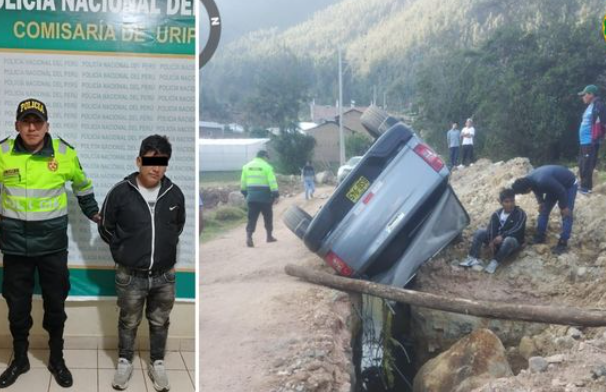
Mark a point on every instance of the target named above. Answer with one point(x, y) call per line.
point(588, 160)
point(18, 288)
point(256, 208)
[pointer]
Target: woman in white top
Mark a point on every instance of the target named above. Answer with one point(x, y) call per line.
point(467, 135)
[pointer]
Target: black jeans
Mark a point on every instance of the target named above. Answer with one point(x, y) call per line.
point(588, 160)
point(467, 157)
point(17, 289)
point(507, 247)
point(133, 291)
point(254, 209)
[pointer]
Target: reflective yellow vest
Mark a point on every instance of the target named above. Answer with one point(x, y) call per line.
point(33, 196)
point(259, 181)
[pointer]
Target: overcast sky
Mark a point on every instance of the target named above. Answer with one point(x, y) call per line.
point(240, 17)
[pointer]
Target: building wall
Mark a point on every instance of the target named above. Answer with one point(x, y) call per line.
point(352, 121)
point(327, 142)
point(227, 156)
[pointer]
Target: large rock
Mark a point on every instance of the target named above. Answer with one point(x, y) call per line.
point(325, 177)
point(434, 330)
point(236, 199)
point(470, 363)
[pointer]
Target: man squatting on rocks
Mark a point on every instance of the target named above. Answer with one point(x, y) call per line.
point(504, 234)
point(551, 184)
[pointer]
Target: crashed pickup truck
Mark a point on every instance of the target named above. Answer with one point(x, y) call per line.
point(393, 212)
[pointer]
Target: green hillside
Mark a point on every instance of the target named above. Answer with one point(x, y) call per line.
point(441, 59)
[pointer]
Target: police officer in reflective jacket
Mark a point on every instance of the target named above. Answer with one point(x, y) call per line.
point(259, 186)
point(34, 168)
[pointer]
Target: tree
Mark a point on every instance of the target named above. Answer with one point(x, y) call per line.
point(294, 149)
point(520, 88)
point(356, 144)
point(281, 88)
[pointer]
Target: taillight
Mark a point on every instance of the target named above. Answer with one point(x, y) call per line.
point(429, 156)
point(339, 265)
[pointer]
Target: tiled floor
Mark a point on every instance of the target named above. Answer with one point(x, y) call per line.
point(93, 371)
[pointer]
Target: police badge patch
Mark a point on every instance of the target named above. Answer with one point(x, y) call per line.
point(53, 165)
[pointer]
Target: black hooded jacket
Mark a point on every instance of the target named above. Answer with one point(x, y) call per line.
point(514, 226)
point(126, 225)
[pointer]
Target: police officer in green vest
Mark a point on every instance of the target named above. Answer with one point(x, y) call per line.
point(260, 188)
point(34, 168)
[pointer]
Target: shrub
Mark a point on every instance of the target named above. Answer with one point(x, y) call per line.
point(229, 213)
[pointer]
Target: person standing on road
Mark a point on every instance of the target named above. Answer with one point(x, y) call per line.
point(34, 168)
point(260, 188)
point(142, 219)
point(551, 184)
point(308, 176)
point(591, 135)
point(504, 235)
point(453, 138)
point(467, 134)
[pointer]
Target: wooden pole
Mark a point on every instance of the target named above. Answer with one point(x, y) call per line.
point(507, 311)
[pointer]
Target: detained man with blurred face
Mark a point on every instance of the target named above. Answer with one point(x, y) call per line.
point(142, 218)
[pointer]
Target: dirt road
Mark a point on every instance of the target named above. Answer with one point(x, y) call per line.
point(261, 330)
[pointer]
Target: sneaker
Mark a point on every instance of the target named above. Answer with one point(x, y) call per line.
point(124, 371)
point(249, 242)
point(492, 266)
point(470, 261)
point(584, 191)
point(561, 247)
point(157, 373)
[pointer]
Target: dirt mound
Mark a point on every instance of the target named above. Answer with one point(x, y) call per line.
point(581, 368)
point(534, 276)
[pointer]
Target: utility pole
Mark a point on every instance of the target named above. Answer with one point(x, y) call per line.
point(341, 135)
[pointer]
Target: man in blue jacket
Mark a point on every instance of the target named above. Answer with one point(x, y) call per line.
point(551, 184)
point(504, 235)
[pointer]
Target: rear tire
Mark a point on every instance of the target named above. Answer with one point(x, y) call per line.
point(377, 121)
point(297, 220)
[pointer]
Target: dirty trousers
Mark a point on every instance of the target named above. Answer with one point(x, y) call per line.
point(17, 289)
point(507, 247)
point(157, 294)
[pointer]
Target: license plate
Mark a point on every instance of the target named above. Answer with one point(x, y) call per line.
point(357, 190)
